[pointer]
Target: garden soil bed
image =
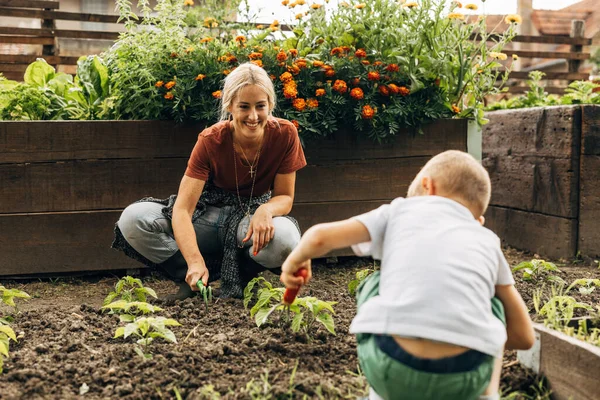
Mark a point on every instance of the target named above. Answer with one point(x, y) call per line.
point(66, 346)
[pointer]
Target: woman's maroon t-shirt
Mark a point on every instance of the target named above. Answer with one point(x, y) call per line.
point(213, 157)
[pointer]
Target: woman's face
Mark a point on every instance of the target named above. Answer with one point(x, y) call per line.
point(250, 111)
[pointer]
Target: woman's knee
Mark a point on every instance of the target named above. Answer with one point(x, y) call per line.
point(286, 238)
point(139, 219)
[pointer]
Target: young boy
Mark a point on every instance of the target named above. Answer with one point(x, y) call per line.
point(431, 323)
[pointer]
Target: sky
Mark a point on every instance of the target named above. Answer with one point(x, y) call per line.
point(267, 10)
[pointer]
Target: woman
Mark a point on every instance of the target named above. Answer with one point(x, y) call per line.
point(228, 216)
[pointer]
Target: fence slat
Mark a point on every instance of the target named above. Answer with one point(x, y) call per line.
point(546, 39)
point(62, 15)
point(550, 54)
point(28, 59)
point(60, 33)
point(26, 40)
point(568, 76)
point(30, 4)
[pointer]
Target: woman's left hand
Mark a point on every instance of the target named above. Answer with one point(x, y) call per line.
point(261, 229)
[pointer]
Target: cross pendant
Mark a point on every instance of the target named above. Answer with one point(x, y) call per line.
point(252, 171)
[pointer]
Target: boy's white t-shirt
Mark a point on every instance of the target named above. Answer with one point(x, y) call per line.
point(439, 267)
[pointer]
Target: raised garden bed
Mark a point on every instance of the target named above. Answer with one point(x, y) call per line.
point(63, 184)
point(544, 164)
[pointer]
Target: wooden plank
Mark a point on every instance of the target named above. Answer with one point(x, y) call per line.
point(551, 54)
point(545, 39)
point(28, 59)
point(539, 132)
point(54, 5)
point(437, 137)
point(58, 15)
point(26, 40)
point(86, 185)
point(64, 242)
point(547, 89)
point(551, 237)
point(357, 180)
point(309, 214)
point(13, 75)
point(590, 129)
point(13, 67)
point(60, 33)
point(39, 141)
point(9, 30)
point(589, 213)
point(569, 365)
point(545, 185)
point(551, 75)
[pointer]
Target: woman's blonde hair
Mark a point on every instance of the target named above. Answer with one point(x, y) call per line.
point(244, 75)
point(459, 176)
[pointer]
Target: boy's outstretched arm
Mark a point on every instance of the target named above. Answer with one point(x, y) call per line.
point(518, 323)
point(318, 241)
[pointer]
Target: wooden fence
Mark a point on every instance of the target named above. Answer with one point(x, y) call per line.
point(13, 65)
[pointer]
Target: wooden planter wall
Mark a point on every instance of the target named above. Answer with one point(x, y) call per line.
point(545, 168)
point(63, 184)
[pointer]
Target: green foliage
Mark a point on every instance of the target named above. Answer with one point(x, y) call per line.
point(6, 332)
point(536, 270)
point(147, 329)
point(129, 309)
point(582, 92)
point(129, 289)
point(206, 293)
point(9, 296)
point(301, 315)
point(586, 286)
point(6, 335)
point(558, 309)
point(360, 277)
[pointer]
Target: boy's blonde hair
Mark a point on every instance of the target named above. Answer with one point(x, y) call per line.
point(244, 75)
point(459, 176)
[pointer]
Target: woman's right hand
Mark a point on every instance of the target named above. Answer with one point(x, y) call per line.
point(196, 272)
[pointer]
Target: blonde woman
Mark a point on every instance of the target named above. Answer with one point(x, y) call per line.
point(228, 219)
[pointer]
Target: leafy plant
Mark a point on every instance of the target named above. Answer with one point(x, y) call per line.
point(9, 296)
point(6, 332)
point(206, 293)
point(582, 92)
point(360, 277)
point(130, 309)
point(537, 269)
point(586, 286)
point(148, 329)
point(302, 314)
point(558, 310)
point(129, 289)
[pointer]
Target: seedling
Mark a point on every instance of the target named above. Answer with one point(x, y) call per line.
point(129, 310)
point(538, 269)
point(586, 286)
point(9, 296)
point(6, 332)
point(148, 329)
point(206, 293)
point(559, 309)
point(360, 277)
point(129, 289)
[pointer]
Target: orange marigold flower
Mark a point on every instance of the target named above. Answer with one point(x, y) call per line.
point(281, 56)
point(455, 109)
point(255, 55)
point(315, 6)
point(188, 3)
point(275, 23)
point(207, 39)
point(159, 84)
point(340, 86)
point(360, 6)
point(337, 51)
point(200, 77)
point(293, 52)
point(290, 90)
point(318, 63)
point(260, 26)
point(355, 81)
point(226, 72)
point(384, 90)
point(216, 94)
point(294, 69)
point(404, 91)
point(357, 93)
point(320, 92)
point(232, 59)
point(296, 124)
point(273, 77)
point(301, 63)
point(392, 68)
point(360, 53)
point(312, 103)
point(393, 88)
point(373, 76)
point(285, 2)
point(365, 62)
point(368, 112)
point(377, 63)
point(257, 62)
point(299, 16)
point(169, 85)
point(169, 96)
point(299, 104)
point(240, 39)
point(330, 73)
point(286, 77)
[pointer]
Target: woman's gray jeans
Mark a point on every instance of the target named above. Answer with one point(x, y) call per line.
point(150, 233)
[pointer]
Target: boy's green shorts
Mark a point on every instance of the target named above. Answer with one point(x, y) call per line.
point(392, 380)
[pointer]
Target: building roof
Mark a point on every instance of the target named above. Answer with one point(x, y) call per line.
point(558, 22)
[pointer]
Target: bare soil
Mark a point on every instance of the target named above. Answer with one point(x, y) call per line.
point(66, 344)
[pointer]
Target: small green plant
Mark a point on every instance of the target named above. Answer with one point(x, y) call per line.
point(129, 310)
point(259, 389)
point(558, 310)
point(129, 289)
point(581, 92)
point(6, 332)
point(536, 269)
point(206, 293)
point(306, 311)
point(148, 329)
point(586, 286)
point(9, 296)
point(360, 277)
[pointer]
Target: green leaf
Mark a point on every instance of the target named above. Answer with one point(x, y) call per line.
point(130, 329)
point(327, 321)
point(264, 297)
point(8, 331)
point(4, 348)
point(119, 332)
point(297, 322)
point(126, 318)
point(263, 314)
point(38, 73)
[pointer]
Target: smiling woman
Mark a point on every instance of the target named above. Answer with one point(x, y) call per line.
point(229, 219)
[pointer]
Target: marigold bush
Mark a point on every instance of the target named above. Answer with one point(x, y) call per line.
point(372, 67)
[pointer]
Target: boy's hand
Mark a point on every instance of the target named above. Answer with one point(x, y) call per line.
point(289, 268)
point(196, 272)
